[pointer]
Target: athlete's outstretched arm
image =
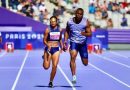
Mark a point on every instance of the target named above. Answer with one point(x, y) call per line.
point(88, 31)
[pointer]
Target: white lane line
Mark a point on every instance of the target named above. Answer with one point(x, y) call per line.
point(118, 54)
point(100, 70)
point(66, 77)
point(1, 55)
point(111, 60)
point(20, 70)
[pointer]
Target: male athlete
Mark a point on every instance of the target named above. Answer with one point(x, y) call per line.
point(77, 30)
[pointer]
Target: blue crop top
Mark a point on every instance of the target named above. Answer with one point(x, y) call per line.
point(54, 34)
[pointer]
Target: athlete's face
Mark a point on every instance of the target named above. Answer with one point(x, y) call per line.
point(53, 22)
point(79, 14)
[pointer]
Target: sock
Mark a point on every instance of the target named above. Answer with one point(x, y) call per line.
point(74, 77)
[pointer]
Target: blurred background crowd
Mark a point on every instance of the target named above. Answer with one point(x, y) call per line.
point(101, 13)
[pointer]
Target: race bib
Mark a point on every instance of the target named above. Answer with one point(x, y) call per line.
point(54, 35)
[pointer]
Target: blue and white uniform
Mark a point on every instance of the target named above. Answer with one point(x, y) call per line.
point(78, 41)
point(53, 35)
point(75, 30)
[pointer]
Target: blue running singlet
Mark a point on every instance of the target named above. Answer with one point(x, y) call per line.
point(75, 30)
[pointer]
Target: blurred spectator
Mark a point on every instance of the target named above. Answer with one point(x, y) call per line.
point(110, 6)
point(21, 8)
point(109, 23)
point(92, 8)
point(27, 9)
point(125, 4)
point(97, 3)
point(104, 5)
point(41, 5)
point(104, 14)
point(124, 21)
point(3, 3)
point(36, 11)
point(41, 17)
point(75, 4)
point(115, 7)
point(98, 14)
point(122, 10)
point(98, 17)
point(58, 11)
point(13, 4)
point(46, 16)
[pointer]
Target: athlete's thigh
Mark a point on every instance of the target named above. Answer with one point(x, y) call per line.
point(73, 49)
point(83, 52)
point(55, 58)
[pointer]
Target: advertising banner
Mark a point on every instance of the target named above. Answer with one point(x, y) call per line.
point(100, 36)
point(21, 39)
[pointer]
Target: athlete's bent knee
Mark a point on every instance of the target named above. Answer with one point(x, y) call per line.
point(46, 67)
point(85, 62)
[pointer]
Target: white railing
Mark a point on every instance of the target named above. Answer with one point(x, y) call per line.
point(7, 3)
point(0, 3)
